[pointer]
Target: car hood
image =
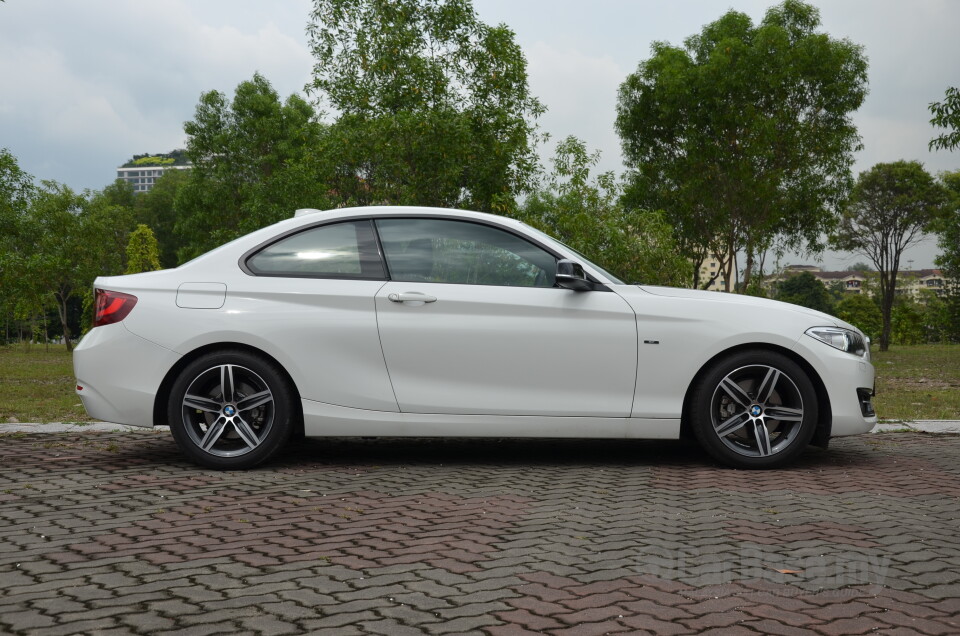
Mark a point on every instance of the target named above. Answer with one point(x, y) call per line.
point(739, 299)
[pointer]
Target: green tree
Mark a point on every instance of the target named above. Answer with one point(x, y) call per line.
point(155, 209)
point(805, 290)
point(16, 190)
point(434, 104)
point(68, 240)
point(947, 228)
point(891, 207)
point(143, 254)
point(588, 216)
point(249, 157)
point(946, 114)
point(907, 322)
point(862, 312)
point(743, 135)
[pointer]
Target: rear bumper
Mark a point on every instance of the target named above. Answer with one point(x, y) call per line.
point(119, 374)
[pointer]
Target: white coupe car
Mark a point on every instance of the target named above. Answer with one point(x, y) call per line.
point(407, 321)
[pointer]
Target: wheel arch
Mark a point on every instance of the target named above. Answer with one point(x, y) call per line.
point(163, 392)
point(821, 436)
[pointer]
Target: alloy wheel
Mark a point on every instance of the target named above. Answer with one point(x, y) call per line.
point(756, 410)
point(228, 410)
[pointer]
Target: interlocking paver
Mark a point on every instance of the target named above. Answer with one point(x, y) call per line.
point(477, 536)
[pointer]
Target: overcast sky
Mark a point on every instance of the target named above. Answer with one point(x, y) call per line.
point(86, 84)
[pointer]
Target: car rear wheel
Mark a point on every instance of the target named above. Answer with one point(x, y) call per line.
point(755, 409)
point(230, 410)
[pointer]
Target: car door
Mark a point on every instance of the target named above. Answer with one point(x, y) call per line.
point(471, 323)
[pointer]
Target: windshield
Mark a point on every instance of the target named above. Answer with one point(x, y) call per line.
point(583, 259)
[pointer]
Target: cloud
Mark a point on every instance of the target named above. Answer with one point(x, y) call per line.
point(580, 93)
point(105, 80)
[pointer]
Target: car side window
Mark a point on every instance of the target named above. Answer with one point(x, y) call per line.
point(447, 251)
point(338, 250)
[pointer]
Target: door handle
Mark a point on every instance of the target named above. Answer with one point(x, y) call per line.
point(416, 297)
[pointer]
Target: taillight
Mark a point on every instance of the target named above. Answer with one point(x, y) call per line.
point(111, 306)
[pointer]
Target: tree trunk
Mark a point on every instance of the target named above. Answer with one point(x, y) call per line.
point(697, 264)
point(62, 308)
point(731, 263)
point(888, 289)
point(747, 270)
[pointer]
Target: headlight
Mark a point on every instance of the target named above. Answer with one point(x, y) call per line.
point(842, 339)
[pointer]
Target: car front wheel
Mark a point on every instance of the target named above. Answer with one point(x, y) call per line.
point(754, 409)
point(230, 410)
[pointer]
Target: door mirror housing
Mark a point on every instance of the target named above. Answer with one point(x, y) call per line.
point(570, 275)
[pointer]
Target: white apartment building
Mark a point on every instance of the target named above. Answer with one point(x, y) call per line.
point(143, 178)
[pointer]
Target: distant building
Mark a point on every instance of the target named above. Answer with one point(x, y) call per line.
point(909, 282)
point(143, 171)
point(710, 271)
point(913, 281)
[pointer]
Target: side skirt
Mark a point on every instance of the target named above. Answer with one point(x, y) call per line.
point(328, 420)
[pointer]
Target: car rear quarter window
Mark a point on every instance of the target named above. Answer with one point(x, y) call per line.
point(338, 250)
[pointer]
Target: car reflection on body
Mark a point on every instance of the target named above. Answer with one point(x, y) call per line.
point(407, 321)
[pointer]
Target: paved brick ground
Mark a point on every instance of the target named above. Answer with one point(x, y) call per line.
point(113, 533)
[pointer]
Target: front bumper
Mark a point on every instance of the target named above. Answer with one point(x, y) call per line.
point(118, 374)
point(847, 378)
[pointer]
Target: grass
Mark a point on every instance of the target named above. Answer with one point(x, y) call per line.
point(37, 385)
point(918, 382)
point(913, 383)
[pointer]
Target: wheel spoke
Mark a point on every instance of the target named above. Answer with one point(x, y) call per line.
point(201, 403)
point(255, 400)
point(736, 393)
point(784, 414)
point(768, 385)
point(763, 438)
point(246, 433)
point(226, 382)
point(732, 424)
point(214, 431)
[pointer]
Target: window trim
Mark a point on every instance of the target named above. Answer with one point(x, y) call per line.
point(363, 247)
point(373, 218)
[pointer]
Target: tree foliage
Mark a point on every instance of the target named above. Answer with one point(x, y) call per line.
point(805, 290)
point(743, 135)
point(946, 114)
point(156, 209)
point(907, 322)
point(587, 214)
point(433, 104)
point(16, 190)
point(143, 254)
point(248, 159)
point(862, 312)
point(947, 228)
point(891, 206)
point(63, 241)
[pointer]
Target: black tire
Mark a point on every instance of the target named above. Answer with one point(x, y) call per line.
point(754, 409)
point(234, 428)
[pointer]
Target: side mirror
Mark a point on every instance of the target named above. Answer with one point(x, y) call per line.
point(570, 275)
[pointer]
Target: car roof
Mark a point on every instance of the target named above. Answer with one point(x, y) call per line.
point(399, 210)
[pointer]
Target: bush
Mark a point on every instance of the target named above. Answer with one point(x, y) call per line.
point(861, 312)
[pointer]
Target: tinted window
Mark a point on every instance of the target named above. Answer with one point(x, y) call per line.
point(445, 251)
point(340, 250)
